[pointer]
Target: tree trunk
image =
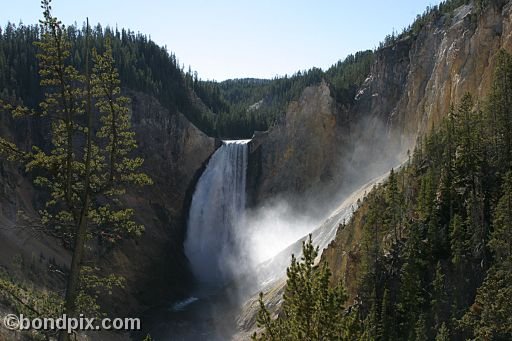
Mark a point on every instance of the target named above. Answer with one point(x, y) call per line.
point(73, 286)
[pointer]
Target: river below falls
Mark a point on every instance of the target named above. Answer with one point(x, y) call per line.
point(208, 315)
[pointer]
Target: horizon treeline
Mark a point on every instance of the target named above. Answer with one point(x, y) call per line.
point(232, 108)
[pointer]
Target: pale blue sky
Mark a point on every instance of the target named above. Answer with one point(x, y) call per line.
point(239, 38)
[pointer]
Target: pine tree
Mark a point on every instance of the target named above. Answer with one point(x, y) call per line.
point(501, 238)
point(458, 241)
point(394, 205)
point(500, 110)
point(387, 323)
point(410, 297)
point(443, 333)
point(85, 171)
point(439, 300)
point(426, 197)
point(372, 330)
point(311, 309)
point(352, 326)
point(490, 316)
point(420, 330)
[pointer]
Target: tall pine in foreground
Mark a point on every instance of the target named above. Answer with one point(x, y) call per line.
point(89, 164)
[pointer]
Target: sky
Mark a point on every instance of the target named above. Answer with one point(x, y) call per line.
point(225, 39)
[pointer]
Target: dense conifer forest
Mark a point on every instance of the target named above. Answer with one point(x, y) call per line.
point(236, 107)
point(436, 252)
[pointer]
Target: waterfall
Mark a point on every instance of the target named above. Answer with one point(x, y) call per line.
point(213, 242)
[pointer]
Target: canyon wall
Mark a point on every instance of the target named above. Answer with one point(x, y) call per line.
point(153, 265)
point(409, 90)
point(321, 144)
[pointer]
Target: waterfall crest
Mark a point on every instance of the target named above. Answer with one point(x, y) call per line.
point(212, 244)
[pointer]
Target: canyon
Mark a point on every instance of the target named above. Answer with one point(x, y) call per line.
point(313, 158)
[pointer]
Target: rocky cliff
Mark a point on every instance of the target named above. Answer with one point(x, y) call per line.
point(318, 149)
point(451, 56)
point(154, 265)
point(296, 153)
point(175, 152)
point(322, 144)
point(410, 88)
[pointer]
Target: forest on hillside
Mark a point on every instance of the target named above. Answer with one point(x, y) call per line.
point(232, 109)
point(435, 257)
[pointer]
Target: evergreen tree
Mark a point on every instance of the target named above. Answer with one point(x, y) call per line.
point(440, 308)
point(411, 298)
point(372, 327)
point(420, 330)
point(394, 205)
point(500, 110)
point(458, 241)
point(443, 334)
point(387, 323)
point(311, 309)
point(501, 238)
point(85, 170)
point(490, 316)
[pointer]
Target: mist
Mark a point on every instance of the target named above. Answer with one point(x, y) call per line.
point(274, 226)
point(274, 229)
point(240, 251)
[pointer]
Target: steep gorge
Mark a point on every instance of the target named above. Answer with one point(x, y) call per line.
point(409, 90)
point(318, 152)
point(153, 265)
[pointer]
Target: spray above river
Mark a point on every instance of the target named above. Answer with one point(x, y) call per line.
point(212, 245)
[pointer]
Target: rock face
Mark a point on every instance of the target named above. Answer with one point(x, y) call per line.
point(295, 154)
point(410, 88)
point(451, 56)
point(154, 265)
point(318, 148)
point(175, 152)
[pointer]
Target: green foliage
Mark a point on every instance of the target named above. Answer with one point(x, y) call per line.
point(387, 324)
point(242, 106)
point(459, 242)
point(90, 161)
point(92, 286)
point(234, 108)
point(142, 65)
point(347, 76)
point(490, 316)
point(311, 309)
point(499, 106)
point(28, 300)
point(431, 14)
point(440, 299)
point(420, 330)
point(501, 238)
point(24, 298)
point(443, 334)
point(411, 297)
point(61, 170)
point(436, 237)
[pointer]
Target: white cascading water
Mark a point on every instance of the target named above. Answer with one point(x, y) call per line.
point(212, 245)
